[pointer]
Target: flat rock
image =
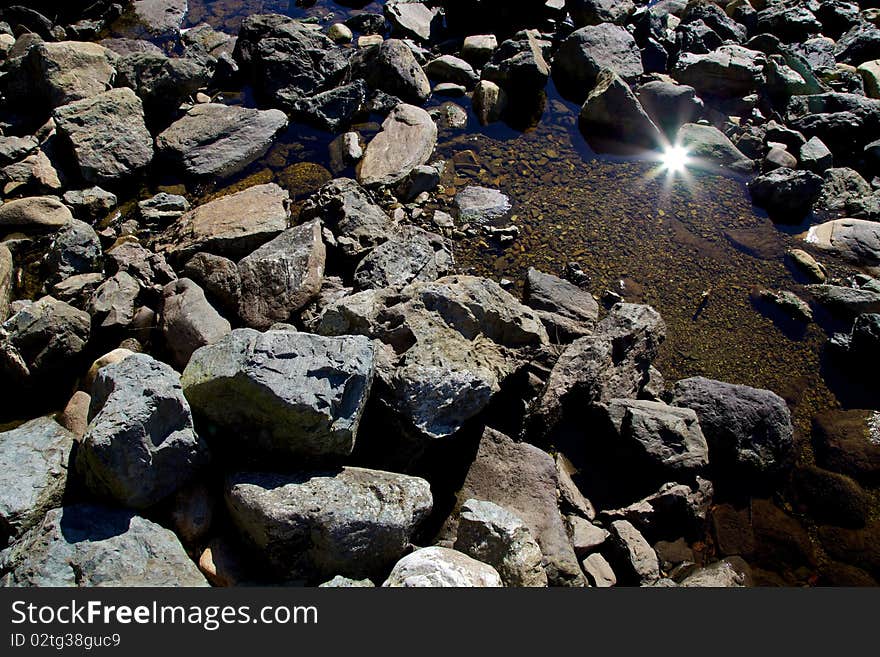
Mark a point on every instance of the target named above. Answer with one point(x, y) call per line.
point(407, 140)
point(411, 254)
point(568, 312)
point(710, 147)
point(37, 213)
point(480, 205)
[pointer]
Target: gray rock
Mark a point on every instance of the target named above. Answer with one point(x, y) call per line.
point(407, 140)
point(489, 102)
point(856, 240)
point(161, 18)
point(109, 137)
point(595, 12)
point(746, 428)
point(282, 392)
point(478, 48)
point(340, 582)
point(163, 208)
point(282, 276)
point(149, 269)
point(411, 18)
point(448, 68)
point(722, 574)
point(849, 301)
point(612, 112)
point(435, 567)
point(231, 226)
point(585, 536)
point(518, 64)
point(670, 105)
point(76, 290)
point(599, 571)
point(728, 72)
point(34, 213)
point(68, 71)
point(636, 553)
point(842, 190)
point(711, 147)
point(162, 83)
point(352, 521)
point(567, 311)
point(140, 446)
point(87, 545)
point(669, 437)
point(589, 50)
point(522, 479)
point(480, 205)
point(188, 321)
point(491, 534)
point(335, 109)
point(75, 249)
point(412, 254)
point(90, 204)
point(220, 140)
point(33, 474)
point(394, 69)
point(13, 149)
point(815, 156)
point(113, 303)
point(785, 193)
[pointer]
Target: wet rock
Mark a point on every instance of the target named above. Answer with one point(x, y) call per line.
point(34, 213)
point(612, 112)
point(207, 45)
point(789, 303)
point(358, 224)
point(410, 255)
point(90, 204)
point(831, 498)
point(352, 521)
point(733, 531)
point(847, 301)
point(41, 341)
point(849, 442)
point(711, 147)
point(304, 394)
point(33, 474)
point(407, 140)
point(807, 264)
point(523, 479)
point(335, 109)
point(728, 72)
point(489, 102)
point(87, 545)
point(140, 446)
point(231, 226)
point(669, 105)
point(746, 428)
point(518, 64)
point(785, 193)
point(220, 140)
point(599, 571)
point(842, 190)
point(636, 554)
point(188, 321)
point(567, 311)
point(394, 69)
point(480, 205)
point(340, 33)
point(282, 276)
point(108, 135)
point(75, 249)
point(442, 567)
point(862, 344)
point(857, 240)
point(590, 49)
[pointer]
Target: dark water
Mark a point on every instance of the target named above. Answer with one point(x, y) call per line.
point(690, 245)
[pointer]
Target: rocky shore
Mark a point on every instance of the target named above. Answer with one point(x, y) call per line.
point(225, 364)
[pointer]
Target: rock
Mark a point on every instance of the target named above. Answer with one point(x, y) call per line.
point(611, 363)
point(282, 276)
point(523, 479)
point(219, 278)
point(599, 571)
point(842, 190)
point(148, 269)
point(35, 172)
point(161, 18)
point(286, 59)
point(140, 446)
point(407, 140)
point(786, 194)
point(730, 71)
point(747, 429)
point(711, 147)
point(789, 303)
point(231, 226)
point(220, 140)
point(75, 249)
point(847, 301)
point(638, 556)
point(448, 68)
point(721, 574)
point(596, 12)
point(518, 65)
point(411, 18)
point(335, 109)
point(75, 416)
point(807, 264)
point(67, 71)
point(113, 303)
point(480, 205)
point(848, 441)
point(192, 512)
point(340, 582)
point(489, 102)
point(163, 208)
point(441, 567)
point(831, 498)
point(858, 45)
point(40, 342)
point(571, 499)
point(285, 393)
point(90, 204)
point(188, 321)
point(862, 345)
point(670, 105)
point(34, 213)
point(857, 240)
point(76, 290)
point(111, 357)
point(410, 255)
point(163, 83)
point(358, 224)
point(85, 545)
point(108, 135)
point(33, 474)
point(567, 311)
point(491, 534)
point(612, 112)
point(585, 536)
point(14, 149)
point(590, 49)
point(777, 158)
point(668, 437)
point(814, 156)
point(393, 68)
point(478, 48)
point(351, 521)
point(340, 33)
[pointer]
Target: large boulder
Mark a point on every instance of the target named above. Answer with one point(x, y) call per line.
point(857, 240)
point(670, 105)
point(352, 522)
point(108, 135)
point(188, 321)
point(162, 83)
point(140, 445)
point(746, 428)
point(393, 68)
point(86, 545)
point(66, 71)
point(612, 113)
point(160, 18)
point(231, 226)
point(282, 392)
point(34, 213)
point(220, 140)
point(523, 479)
point(709, 147)
point(518, 64)
point(33, 474)
point(729, 71)
point(437, 567)
point(411, 254)
point(407, 140)
point(584, 54)
point(282, 276)
point(786, 194)
point(567, 311)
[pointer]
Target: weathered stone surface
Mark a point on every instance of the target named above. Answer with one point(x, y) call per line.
point(612, 112)
point(599, 571)
point(411, 254)
point(334, 109)
point(6, 270)
point(585, 536)
point(729, 71)
point(710, 147)
point(589, 50)
point(66, 71)
point(448, 68)
point(75, 416)
point(412, 18)
point(407, 140)
point(188, 321)
point(786, 194)
point(481, 205)
point(219, 278)
point(746, 428)
point(113, 303)
point(518, 64)
point(567, 311)
point(353, 521)
point(489, 102)
point(722, 574)
point(33, 473)
point(231, 226)
point(636, 553)
point(857, 240)
point(491, 534)
point(90, 204)
point(87, 545)
point(161, 18)
point(140, 445)
point(220, 140)
point(162, 83)
point(75, 249)
point(849, 442)
point(281, 392)
point(34, 213)
point(149, 269)
point(442, 567)
point(393, 68)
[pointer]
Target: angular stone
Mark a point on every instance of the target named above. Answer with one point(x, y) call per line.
point(412, 254)
point(612, 112)
point(480, 205)
point(188, 321)
point(711, 147)
point(638, 555)
point(589, 50)
point(407, 140)
point(67, 71)
point(567, 311)
point(730, 71)
point(599, 571)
